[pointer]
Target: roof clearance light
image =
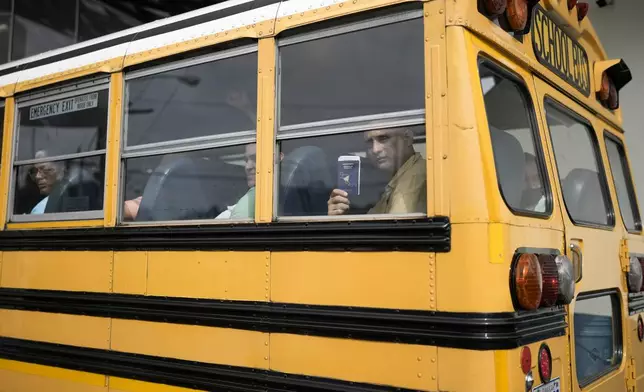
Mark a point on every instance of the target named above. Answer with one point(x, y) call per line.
point(634, 275)
point(495, 8)
point(571, 4)
point(528, 281)
point(613, 97)
point(604, 91)
point(582, 10)
point(566, 277)
point(607, 93)
point(517, 14)
point(609, 77)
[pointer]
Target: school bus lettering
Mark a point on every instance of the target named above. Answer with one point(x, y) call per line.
point(556, 50)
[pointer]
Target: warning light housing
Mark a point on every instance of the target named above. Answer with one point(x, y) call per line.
point(541, 280)
point(610, 77)
point(513, 16)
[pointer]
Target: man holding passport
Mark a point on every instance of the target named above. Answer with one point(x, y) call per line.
point(391, 150)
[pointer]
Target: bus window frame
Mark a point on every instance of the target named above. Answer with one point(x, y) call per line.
point(3, 106)
point(201, 143)
point(69, 89)
point(484, 59)
point(618, 332)
point(597, 154)
point(344, 125)
point(630, 185)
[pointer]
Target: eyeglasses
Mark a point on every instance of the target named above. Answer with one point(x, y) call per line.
point(45, 171)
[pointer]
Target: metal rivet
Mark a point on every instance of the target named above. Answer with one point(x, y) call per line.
point(420, 359)
point(433, 360)
point(433, 377)
point(445, 156)
point(420, 375)
point(440, 12)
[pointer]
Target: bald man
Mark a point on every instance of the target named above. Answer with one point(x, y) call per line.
point(392, 151)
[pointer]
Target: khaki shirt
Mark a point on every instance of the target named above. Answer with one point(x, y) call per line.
point(407, 191)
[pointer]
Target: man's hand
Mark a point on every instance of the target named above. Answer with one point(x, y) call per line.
point(338, 202)
point(131, 208)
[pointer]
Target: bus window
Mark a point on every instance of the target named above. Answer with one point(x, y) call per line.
point(1, 125)
point(190, 139)
point(582, 178)
point(598, 342)
point(352, 120)
point(623, 184)
point(59, 164)
point(518, 160)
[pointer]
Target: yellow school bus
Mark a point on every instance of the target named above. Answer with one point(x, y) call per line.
point(323, 195)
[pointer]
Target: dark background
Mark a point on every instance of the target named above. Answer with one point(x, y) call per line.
point(29, 27)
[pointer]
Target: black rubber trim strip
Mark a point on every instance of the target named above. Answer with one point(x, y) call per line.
point(635, 303)
point(178, 25)
point(170, 371)
point(429, 235)
point(476, 331)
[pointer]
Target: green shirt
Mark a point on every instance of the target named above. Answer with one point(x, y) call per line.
point(245, 207)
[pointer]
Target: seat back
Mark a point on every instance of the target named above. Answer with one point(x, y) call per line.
point(79, 190)
point(583, 192)
point(509, 160)
point(305, 182)
point(178, 189)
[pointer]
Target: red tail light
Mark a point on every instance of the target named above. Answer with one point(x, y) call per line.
point(526, 359)
point(571, 4)
point(528, 281)
point(582, 10)
point(549, 272)
point(545, 363)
